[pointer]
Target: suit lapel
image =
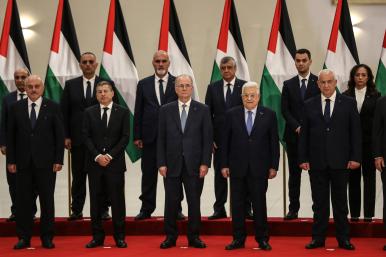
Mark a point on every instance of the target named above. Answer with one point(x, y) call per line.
point(236, 94)
point(42, 113)
point(169, 87)
point(242, 120)
point(258, 117)
point(220, 92)
point(113, 116)
point(26, 114)
point(338, 101)
point(176, 115)
point(310, 86)
point(191, 115)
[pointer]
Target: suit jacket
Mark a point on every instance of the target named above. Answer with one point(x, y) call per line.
point(215, 100)
point(194, 145)
point(8, 100)
point(73, 104)
point(292, 104)
point(43, 144)
point(331, 144)
point(251, 154)
point(379, 129)
point(112, 141)
point(147, 108)
point(366, 114)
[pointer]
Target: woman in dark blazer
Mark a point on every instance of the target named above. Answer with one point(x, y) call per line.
point(361, 87)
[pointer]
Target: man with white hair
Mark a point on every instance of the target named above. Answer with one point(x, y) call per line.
point(329, 146)
point(249, 157)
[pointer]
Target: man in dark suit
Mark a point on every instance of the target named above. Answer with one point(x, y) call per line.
point(379, 145)
point(152, 92)
point(184, 147)
point(19, 94)
point(250, 156)
point(330, 146)
point(78, 94)
point(35, 149)
point(221, 96)
point(295, 91)
point(106, 132)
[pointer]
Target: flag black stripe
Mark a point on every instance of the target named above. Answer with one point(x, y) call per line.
point(346, 30)
point(68, 30)
point(121, 31)
point(286, 29)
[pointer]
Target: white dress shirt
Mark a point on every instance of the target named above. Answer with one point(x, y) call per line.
point(360, 97)
point(232, 82)
point(38, 103)
point(92, 81)
point(156, 85)
point(253, 115)
point(186, 107)
point(108, 111)
point(332, 102)
point(306, 77)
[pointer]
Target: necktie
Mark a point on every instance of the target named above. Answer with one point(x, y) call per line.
point(161, 92)
point(104, 116)
point(228, 95)
point(183, 117)
point(21, 96)
point(327, 111)
point(88, 93)
point(303, 88)
point(249, 122)
point(33, 115)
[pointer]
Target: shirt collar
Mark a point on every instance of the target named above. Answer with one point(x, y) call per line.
point(306, 77)
point(362, 90)
point(109, 106)
point(91, 80)
point(232, 82)
point(253, 110)
point(187, 103)
point(165, 78)
point(332, 98)
point(38, 102)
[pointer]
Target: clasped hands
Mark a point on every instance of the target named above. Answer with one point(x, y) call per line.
point(103, 160)
point(203, 170)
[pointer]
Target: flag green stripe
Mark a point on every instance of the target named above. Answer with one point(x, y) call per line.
point(380, 80)
point(271, 98)
point(216, 74)
point(3, 92)
point(53, 89)
point(132, 151)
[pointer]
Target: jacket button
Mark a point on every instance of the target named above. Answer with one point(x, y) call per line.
point(327, 129)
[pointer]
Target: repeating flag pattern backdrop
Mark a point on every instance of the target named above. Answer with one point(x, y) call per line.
point(380, 80)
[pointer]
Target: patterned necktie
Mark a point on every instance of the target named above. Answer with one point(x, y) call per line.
point(88, 93)
point(228, 95)
point(161, 92)
point(33, 115)
point(184, 116)
point(104, 116)
point(249, 122)
point(303, 88)
point(327, 111)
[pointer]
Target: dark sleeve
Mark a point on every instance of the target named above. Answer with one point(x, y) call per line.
point(303, 144)
point(65, 107)
point(3, 125)
point(227, 137)
point(378, 130)
point(116, 93)
point(59, 135)
point(161, 138)
point(86, 131)
point(11, 136)
point(125, 136)
point(138, 112)
point(290, 120)
point(275, 146)
point(207, 139)
point(356, 134)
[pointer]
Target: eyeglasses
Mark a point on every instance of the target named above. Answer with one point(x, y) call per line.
point(249, 96)
point(88, 61)
point(21, 77)
point(184, 86)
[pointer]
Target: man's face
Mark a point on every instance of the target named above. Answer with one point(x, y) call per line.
point(34, 88)
point(88, 64)
point(161, 64)
point(250, 98)
point(228, 70)
point(327, 84)
point(302, 63)
point(184, 88)
point(104, 94)
point(20, 76)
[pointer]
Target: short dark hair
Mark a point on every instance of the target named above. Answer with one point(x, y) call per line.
point(105, 82)
point(304, 51)
point(227, 59)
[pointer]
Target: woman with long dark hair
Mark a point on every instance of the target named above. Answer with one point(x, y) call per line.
point(361, 87)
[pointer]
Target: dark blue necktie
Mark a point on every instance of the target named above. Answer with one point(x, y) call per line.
point(161, 92)
point(326, 113)
point(303, 88)
point(33, 115)
point(228, 95)
point(88, 93)
point(249, 122)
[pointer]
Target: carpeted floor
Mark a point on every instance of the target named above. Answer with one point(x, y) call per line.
point(148, 246)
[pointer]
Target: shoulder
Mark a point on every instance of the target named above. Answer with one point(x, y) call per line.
point(120, 108)
point(313, 100)
point(9, 96)
point(291, 81)
point(147, 80)
point(235, 110)
point(199, 105)
point(74, 81)
point(240, 82)
point(169, 106)
point(91, 109)
point(313, 77)
point(216, 83)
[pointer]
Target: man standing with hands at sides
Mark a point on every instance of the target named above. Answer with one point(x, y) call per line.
point(152, 93)
point(79, 94)
point(221, 96)
point(379, 145)
point(250, 156)
point(35, 149)
point(329, 147)
point(295, 92)
point(184, 149)
point(20, 76)
point(106, 131)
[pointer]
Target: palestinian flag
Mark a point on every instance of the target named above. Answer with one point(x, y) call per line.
point(279, 65)
point(65, 55)
point(230, 43)
point(13, 52)
point(172, 41)
point(118, 65)
point(380, 80)
point(342, 52)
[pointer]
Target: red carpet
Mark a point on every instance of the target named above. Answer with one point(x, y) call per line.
point(148, 246)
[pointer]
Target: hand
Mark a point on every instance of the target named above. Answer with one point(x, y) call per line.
point(379, 163)
point(272, 173)
point(162, 170)
point(67, 143)
point(297, 130)
point(214, 147)
point(352, 165)
point(225, 172)
point(139, 143)
point(203, 170)
point(305, 166)
point(11, 168)
point(57, 167)
point(3, 150)
point(103, 160)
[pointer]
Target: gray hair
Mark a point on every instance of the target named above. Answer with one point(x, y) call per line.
point(183, 76)
point(227, 59)
point(251, 84)
point(325, 72)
